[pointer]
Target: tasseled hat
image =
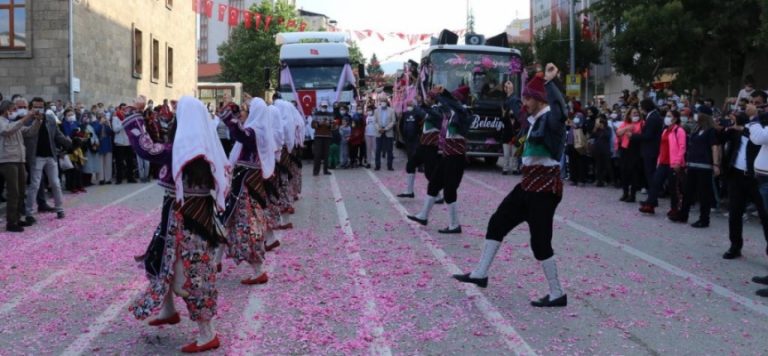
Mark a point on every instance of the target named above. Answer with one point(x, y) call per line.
point(461, 93)
point(535, 89)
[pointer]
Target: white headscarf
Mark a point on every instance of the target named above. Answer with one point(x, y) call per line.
point(197, 138)
point(289, 123)
point(259, 121)
point(277, 130)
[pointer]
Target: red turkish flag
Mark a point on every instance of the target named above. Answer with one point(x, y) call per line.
point(208, 8)
point(248, 16)
point(307, 100)
point(257, 20)
point(303, 26)
point(314, 52)
point(222, 12)
point(291, 23)
point(234, 16)
point(266, 22)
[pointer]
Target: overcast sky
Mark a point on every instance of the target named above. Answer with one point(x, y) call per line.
point(415, 17)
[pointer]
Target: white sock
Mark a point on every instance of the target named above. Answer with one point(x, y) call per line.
point(429, 202)
point(489, 253)
point(550, 271)
point(206, 332)
point(257, 269)
point(219, 254)
point(453, 208)
point(270, 237)
point(168, 308)
point(411, 180)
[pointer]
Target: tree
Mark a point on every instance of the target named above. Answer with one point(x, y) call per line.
point(248, 51)
point(704, 42)
point(375, 72)
point(553, 45)
point(526, 52)
point(355, 56)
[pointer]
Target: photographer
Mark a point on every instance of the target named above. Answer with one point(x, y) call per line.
point(13, 128)
point(43, 146)
point(323, 125)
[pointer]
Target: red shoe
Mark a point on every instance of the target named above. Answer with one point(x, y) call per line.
point(647, 209)
point(258, 280)
point(290, 210)
point(218, 267)
point(193, 348)
point(171, 320)
point(287, 226)
point(82, 190)
point(273, 246)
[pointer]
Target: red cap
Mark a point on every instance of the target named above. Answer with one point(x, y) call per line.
point(535, 89)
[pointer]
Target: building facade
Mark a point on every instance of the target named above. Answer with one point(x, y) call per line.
point(119, 49)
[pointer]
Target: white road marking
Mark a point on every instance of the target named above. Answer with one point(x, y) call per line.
point(722, 291)
point(511, 337)
point(84, 341)
point(72, 267)
point(379, 345)
point(250, 324)
point(55, 232)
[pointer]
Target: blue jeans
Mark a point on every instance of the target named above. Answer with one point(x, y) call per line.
point(384, 144)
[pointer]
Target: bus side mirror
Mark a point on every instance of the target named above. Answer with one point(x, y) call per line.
point(267, 77)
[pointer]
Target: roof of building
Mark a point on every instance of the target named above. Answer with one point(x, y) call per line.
point(206, 70)
point(303, 12)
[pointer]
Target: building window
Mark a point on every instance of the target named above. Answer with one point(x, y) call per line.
point(138, 63)
point(169, 65)
point(169, 4)
point(202, 48)
point(155, 59)
point(13, 25)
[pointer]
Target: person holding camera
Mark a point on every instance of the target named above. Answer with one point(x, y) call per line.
point(43, 146)
point(13, 128)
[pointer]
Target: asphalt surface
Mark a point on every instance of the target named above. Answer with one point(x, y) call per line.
point(355, 277)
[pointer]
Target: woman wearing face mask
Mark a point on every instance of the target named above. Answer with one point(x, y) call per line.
point(370, 137)
point(671, 161)
point(703, 166)
point(630, 161)
point(576, 150)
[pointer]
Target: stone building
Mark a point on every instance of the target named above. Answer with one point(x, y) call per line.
point(120, 49)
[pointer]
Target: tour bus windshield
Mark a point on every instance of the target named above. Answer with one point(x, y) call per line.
point(483, 73)
point(316, 77)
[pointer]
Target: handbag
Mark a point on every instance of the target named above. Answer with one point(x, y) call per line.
point(65, 163)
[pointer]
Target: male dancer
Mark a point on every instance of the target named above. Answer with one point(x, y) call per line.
point(427, 151)
point(450, 169)
point(535, 199)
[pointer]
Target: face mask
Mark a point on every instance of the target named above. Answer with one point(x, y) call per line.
point(21, 112)
point(614, 116)
point(733, 107)
point(70, 118)
point(635, 118)
point(383, 105)
point(697, 106)
point(668, 120)
point(370, 113)
point(359, 112)
point(343, 112)
point(53, 108)
point(695, 117)
point(684, 119)
point(410, 108)
point(577, 121)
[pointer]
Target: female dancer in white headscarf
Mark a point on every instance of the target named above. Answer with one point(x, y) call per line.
point(254, 160)
point(180, 257)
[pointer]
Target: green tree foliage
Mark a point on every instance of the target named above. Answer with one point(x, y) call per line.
point(526, 52)
point(703, 41)
point(355, 56)
point(553, 45)
point(375, 74)
point(249, 51)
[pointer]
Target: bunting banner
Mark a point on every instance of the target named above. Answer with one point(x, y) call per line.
point(253, 20)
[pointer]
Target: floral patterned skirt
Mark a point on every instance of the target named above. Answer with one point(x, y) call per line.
point(245, 237)
point(199, 274)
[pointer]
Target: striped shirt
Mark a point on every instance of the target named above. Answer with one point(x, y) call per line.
point(430, 138)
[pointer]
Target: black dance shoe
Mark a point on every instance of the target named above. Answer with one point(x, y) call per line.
point(730, 255)
point(761, 280)
point(762, 292)
point(416, 219)
point(406, 195)
point(546, 303)
point(440, 201)
point(465, 278)
point(448, 230)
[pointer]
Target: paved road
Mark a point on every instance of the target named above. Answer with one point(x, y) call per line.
point(354, 277)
